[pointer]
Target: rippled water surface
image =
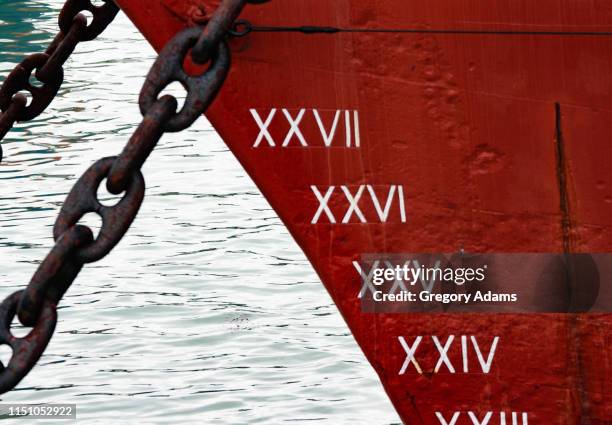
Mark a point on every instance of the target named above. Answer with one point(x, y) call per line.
point(207, 312)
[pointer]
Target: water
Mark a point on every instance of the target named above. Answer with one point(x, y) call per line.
point(207, 312)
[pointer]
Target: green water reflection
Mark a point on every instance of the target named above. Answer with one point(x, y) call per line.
point(19, 30)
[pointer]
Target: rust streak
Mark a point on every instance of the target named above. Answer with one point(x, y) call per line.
point(566, 223)
point(575, 336)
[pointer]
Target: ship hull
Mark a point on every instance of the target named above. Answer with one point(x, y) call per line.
point(388, 143)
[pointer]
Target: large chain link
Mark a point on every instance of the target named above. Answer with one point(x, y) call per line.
point(47, 67)
point(75, 245)
point(219, 25)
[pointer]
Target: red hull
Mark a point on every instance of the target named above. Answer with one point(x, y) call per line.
point(466, 125)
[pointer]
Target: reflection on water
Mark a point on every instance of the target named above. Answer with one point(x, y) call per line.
point(207, 312)
point(19, 32)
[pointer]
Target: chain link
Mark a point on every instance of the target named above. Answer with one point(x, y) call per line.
point(75, 245)
point(48, 66)
point(10, 116)
point(217, 28)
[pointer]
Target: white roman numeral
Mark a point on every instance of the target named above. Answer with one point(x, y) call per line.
point(353, 200)
point(323, 200)
point(366, 279)
point(486, 420)
point(263, 127)
point(402, 207)
point(444, 422)
point(383, 214)
point(486, 366)
point(351, 127)
point(354, 208)
point(427, 286)
point(357, 133)
point(327, 138)
point(295, 127)
point(347, 125)
point(464, 353)
point(475, 420)
point(444, 351)
point(398, 283)
point(410, 351)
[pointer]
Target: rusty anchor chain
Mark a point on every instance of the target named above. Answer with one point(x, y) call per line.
point(47, 68)
point(75, 244)
point(217, 27)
